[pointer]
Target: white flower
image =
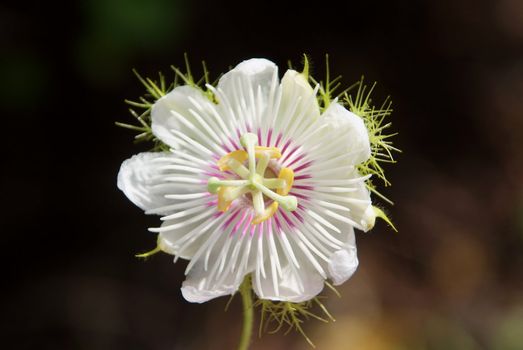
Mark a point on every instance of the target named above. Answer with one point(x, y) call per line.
point(258, 183)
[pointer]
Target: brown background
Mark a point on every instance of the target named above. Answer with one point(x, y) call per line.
point(450, 279)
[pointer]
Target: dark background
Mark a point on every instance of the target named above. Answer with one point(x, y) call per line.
point(450, 279)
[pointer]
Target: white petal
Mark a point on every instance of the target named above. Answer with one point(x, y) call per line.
point(299, 105)
point(368, 219)
point(344, 262)
point(287, 273)
point(258, 72)
point(197, 289)
point(296, 285)
point(348, 131)
point(185, 235)
point(136, 179)
point(221, 260)
point(362, 212)
point(218, 268)
point(246, 94)
point(187, 110)
point(352, 208)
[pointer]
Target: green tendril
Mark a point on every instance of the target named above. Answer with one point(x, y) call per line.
point(374, 118)
point(154, 90)
point(284, 314)
point(329, 89)
point(380, 213)
point(382, 150)
point(149, 253)
point(377, 125)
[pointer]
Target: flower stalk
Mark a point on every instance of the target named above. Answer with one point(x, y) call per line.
point(248, 314)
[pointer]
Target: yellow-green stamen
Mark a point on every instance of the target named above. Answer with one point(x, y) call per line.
point(252, 180)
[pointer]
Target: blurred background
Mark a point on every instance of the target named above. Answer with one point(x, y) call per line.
point(450, 279)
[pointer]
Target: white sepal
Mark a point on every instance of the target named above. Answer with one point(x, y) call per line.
point(348, 131)
point(137, 180)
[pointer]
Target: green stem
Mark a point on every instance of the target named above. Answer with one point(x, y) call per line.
point(248, 314)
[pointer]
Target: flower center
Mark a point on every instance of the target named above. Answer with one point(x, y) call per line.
point(254, 180)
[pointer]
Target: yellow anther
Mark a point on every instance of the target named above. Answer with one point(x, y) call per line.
point(267, 214)
point(238, 155)
point(273, 152)
point(241, 156)
point(223, 204)
point(286, 174)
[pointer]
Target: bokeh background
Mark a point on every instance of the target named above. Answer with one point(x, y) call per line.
point(450, 279)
